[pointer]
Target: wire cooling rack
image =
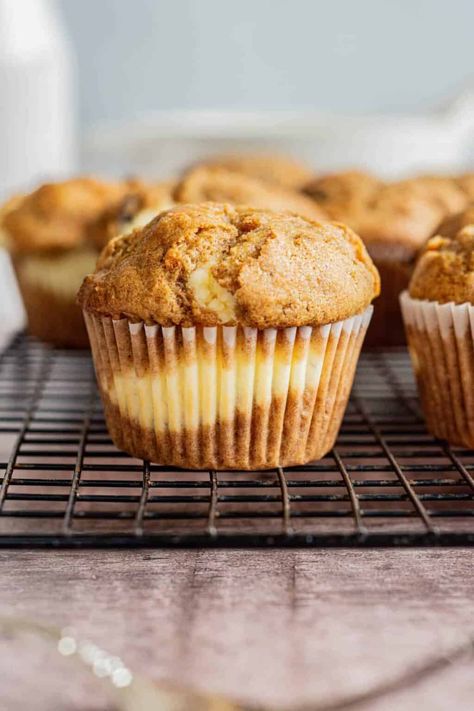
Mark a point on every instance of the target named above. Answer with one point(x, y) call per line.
point(387, 481)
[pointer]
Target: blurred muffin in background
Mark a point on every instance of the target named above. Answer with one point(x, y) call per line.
point(394, 220)
point(344, 195)
point(466, 183)
point(279, 170)
point(55, 234)
point(442, 190)
point(398, 221)
point(140, 203)
point(46, 233)
point(453, 224)
point(8, 206)
point(438, 311)
point(215, 184)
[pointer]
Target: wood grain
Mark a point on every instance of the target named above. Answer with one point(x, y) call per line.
point(278, 628)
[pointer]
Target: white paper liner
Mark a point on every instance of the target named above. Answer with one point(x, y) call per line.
point(440, 339)
point(225, 397)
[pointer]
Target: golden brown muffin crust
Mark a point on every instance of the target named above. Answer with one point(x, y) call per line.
point(139, 196)
point(207, 184)
point(56, 216)
point(445, 270)
point(277, 169)
point(214, 264)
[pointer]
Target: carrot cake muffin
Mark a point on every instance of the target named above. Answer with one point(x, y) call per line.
point(438, 310)
point(216, 184)
point(45, 233)
point(394, 220)
point(55, 235)
point(227, 337)
point(276, 169)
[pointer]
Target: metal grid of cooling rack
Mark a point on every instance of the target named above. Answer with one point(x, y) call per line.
point(63, 483)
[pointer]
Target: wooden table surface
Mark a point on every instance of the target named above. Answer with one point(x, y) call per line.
point(278, 628)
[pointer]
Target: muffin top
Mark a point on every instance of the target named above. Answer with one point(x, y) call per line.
point(393, 218)
point(399, 218)
point(56, 216)
point(214, 264)
point(277, 169)
point(138, 206)
point(204, 184)
point(441, 190)
point(445, 269)
point(344, 196)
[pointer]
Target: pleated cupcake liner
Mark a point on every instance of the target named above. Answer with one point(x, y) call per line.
point(225, 397)
point(441, 343)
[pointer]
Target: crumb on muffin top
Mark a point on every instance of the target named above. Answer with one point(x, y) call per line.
point(271, 168)
point(444, 271)
point(141, 202)
point(215, 184)
point(214, 264)
point(56, 216)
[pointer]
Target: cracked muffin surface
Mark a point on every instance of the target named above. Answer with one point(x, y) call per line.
point(215, 184)
point(214, 264)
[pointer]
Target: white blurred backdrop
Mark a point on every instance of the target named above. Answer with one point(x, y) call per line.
point(348, 56)
point(368, 83)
